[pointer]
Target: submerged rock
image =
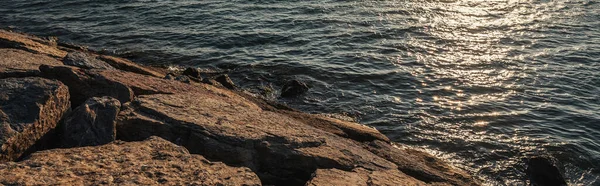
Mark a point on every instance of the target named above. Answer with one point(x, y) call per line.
point(294, 88)
point(150, 162)
point(542, 171)
point(92, 123)
point(19, 63)
point(85, 60)
point(29, 109)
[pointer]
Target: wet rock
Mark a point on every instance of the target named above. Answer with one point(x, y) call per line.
point(19, 63)
point(192, 72)
point(294, 88)
point(238, 132)
point(361, 177)
point(341, 128)
point(84, 84)
point(30, 44)
point(150, 162)
point(126, 65)
point(542, 171)
point(92, 123)
point(29, 109)
point(420, 165)
point(225, 81)
point(85, 60)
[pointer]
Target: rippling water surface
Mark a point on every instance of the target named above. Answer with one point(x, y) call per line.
point(482, 84)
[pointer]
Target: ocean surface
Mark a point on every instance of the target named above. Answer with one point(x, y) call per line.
point(480, 83)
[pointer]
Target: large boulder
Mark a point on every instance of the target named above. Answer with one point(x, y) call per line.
point(542, 171)
point(280, 149)
point(30, 108)
point(92, 123)
point(30, 43)
point(83, 84)
point(19, 63)
point(361, 177)
point(85, 60)
point(150, 162)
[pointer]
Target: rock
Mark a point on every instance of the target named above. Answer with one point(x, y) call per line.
point(192, 72)
point(85, 60)
point(183, 79)
point(280, 149)
point(170, 76)
point(150, 162)
point(126, 65)
point(29, 109)
point(92, 123)
point(84, 84)
point(542, 171)
point(294, 88)
point(19, 63)
point(30, 44)
point(361, 177)
point(225, 81)
point(420, 165)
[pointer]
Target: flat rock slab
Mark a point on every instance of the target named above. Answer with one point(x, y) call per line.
point(29, 108)
point(19, 63)
point(85, 60)
point(126, 65)
point(92, 123)
point(151, 162)
point(362, 177)
point(281, 149)
point(29, 43)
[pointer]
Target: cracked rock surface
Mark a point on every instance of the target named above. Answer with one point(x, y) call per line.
point(150, 162)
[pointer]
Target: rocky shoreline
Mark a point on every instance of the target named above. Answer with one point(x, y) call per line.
point(71, 116)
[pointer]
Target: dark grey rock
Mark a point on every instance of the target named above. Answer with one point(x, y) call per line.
point(192, 72)
point(84, 60)
point(294, 88)
point(225, 81)
point(542, 171)
point(92, 123)
point(29, 109)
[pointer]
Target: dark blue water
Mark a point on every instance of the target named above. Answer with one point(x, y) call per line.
point(482, 84)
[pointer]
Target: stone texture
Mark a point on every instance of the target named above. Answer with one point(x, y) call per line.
point(150, 162)
point(420, 165)
point(92, 123)
point(84, 84)
point(29, 43)
point(126, 65)
point(278, 148)
point(85, 60)
point(362, 177)
point(29, 109)
point(19, 63)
